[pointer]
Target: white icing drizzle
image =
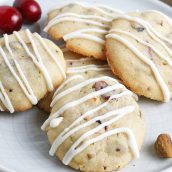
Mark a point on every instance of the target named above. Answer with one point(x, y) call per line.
point(50, 54)
point(66, 82)
point(74, 151)
point(165, 39)
point(83, 34)
point(108, 118)
point(96, 7)
point(75, 148)
point(81, 100)
point(115, 96)
point(81, 69)
point(158, 77)
point(168, 60)
point(5, 99)
point(149, 30)
point(86, 59)
point(69, 131)
point(39, 61)
point(96, 20)
point(160, 13)
point(56, 122)
point(69, 14)
point(19, 75)
point(90, 66)
point(74, 19)
point(24, 84)
point(157, 37)
point(79, 86)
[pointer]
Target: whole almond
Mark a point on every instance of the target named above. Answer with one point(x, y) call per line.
point(163, 146)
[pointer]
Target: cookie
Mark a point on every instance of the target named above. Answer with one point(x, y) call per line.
point(30, 67)
point(82, 63)
point(82, 26)
point(95, 123)
point(139, 51)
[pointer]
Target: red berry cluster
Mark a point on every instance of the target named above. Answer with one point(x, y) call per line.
point(11, 18)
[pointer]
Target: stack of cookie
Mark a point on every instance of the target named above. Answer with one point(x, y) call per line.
point(95, 123)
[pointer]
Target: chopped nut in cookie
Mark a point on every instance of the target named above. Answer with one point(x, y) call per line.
point(100, 85)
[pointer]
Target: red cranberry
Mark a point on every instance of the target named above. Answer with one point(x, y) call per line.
point(10, 19)
point(29, 9)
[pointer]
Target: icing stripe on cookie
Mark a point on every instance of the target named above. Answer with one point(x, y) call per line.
point(74, 150)
point(150, 30)
point(23, 83)
point(83, 33)
point(106, 119)
point(103, 9)
point(157, 75)
point(168, 19)
point(69, 14)
point(36, 59)
point(73, 128)
point(73, 19)
point(168, 60)
point(39, 61)
point(50, 54)
point(79, 86)
point(78, 146)
point(88, 68)
point(19, 75)
point(90, 112)
point(80, 60)
point(160, 13)
point(4, 97)
point(66, 82)
point(163, 38)
point(81, 100)
point(97, 20)
point(55, 122)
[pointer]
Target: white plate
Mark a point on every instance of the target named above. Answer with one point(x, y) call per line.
point(24, 147)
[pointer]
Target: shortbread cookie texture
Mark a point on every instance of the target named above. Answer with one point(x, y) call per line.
point(76, 64)
point(139, 51)
point(95, 123)
point(30, 66)
point(83, 27)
